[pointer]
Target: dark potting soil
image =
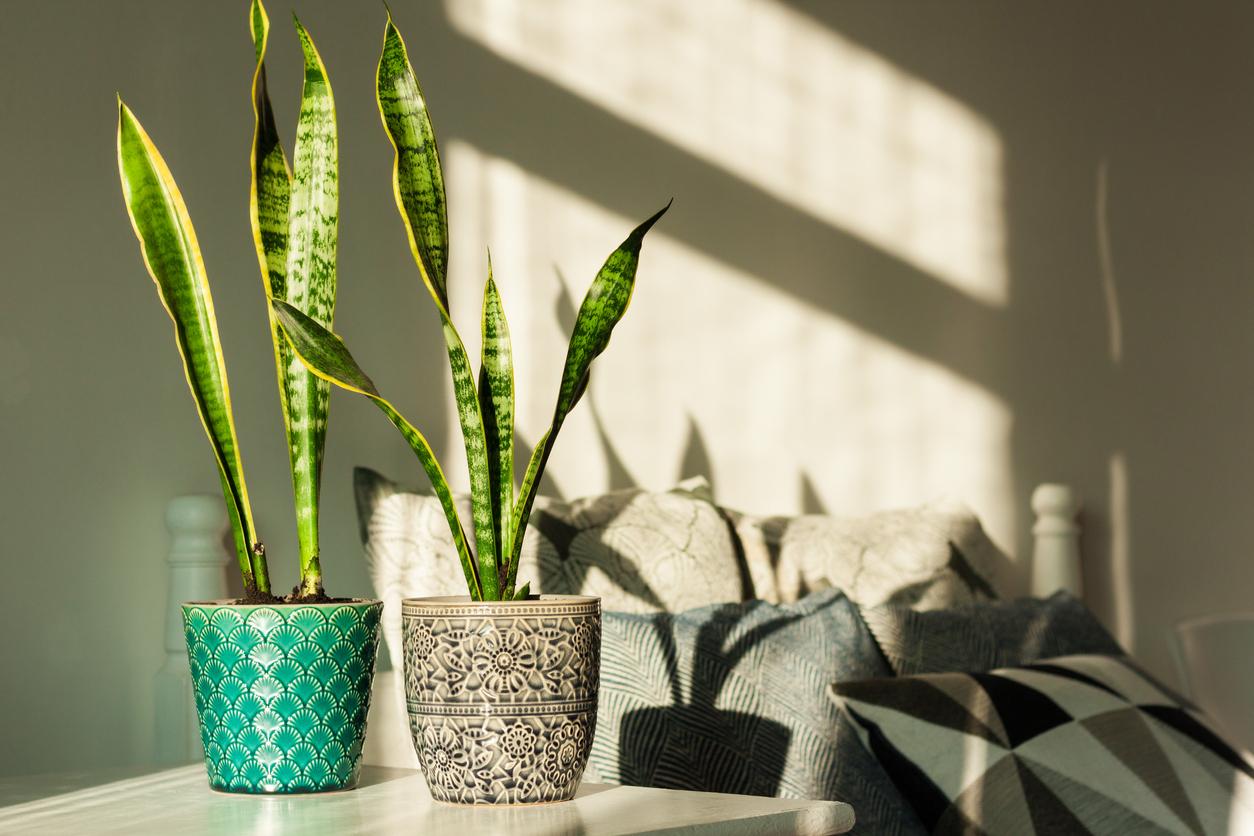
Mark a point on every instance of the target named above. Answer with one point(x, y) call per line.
point(254, 598)
point(318, 598)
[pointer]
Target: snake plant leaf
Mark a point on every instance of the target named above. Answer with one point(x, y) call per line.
point(418, 186)
point(312, 228)
point(417, 178)
point(603, 306)
point(496, 401)
point(271, 182)
point(269, 197)
point(326, 355)
point(478, 462)
point(172, 255)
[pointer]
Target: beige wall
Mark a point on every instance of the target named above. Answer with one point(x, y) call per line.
point(883, 280)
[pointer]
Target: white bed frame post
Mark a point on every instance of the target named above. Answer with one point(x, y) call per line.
point(197, 561)
point(1056, 551)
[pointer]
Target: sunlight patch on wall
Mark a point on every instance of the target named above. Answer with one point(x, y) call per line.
point(1120, 552)
point(780, 101)
point(1241, 810)
point(712, 365)
point(1110, 291)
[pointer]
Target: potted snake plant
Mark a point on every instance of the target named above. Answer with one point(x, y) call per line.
point(501, 684)
point(282, 683)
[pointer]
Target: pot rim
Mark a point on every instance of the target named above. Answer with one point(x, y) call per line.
point(531, 602)
point(234, 602)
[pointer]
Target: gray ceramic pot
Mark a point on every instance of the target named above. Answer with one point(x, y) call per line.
point(502, 695)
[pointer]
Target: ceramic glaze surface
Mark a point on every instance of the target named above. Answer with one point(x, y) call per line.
point(502, 696)
point(282, 692)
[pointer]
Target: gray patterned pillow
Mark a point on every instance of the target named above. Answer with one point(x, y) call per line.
point(638, 551)
point(929, 557)
point(987, 635)
point(733, 699)
point(1075, 745)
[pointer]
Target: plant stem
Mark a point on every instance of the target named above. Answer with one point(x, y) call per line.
point(311, 578)
point(246, 573)
point(261, 572)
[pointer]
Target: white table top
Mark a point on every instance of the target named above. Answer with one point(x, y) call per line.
point(179, 802)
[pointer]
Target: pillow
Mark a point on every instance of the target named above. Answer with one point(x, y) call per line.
point(929, 557)
point(1077, 744)
point(733, 699)
point(638, 551)
point(980, 637)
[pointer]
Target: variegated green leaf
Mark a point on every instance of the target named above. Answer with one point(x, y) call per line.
point(312, 227)
point(271, 181)
point(172, 256)
point(478, 461)
point(269, 195)
point(418, 185)
point(603, 306)
point(496, 402)
point(417, 179)
point(325, 354)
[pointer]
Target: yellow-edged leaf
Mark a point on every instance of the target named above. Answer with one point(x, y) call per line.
point(172, 256)
point(603, 306)
point(418, 185)
point(496, 402)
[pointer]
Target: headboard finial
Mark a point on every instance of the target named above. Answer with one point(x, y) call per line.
point(1055, 503)
point(197, 562)
point(1056, 555)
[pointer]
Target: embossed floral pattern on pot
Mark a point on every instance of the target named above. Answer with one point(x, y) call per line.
point(502, 695)
point(282, 692)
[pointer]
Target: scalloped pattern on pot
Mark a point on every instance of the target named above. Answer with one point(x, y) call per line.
point(282, 692)
point(502, 702)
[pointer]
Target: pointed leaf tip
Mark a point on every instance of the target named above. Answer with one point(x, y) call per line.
point(306, 40)
point(640, 231)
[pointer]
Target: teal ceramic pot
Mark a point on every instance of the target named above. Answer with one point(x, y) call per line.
point(282, 692)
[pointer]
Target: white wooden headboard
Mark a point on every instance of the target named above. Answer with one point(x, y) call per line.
point(197, 572)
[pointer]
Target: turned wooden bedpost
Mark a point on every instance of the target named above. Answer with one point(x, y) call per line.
point(197, 561)
point(1056, 552)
